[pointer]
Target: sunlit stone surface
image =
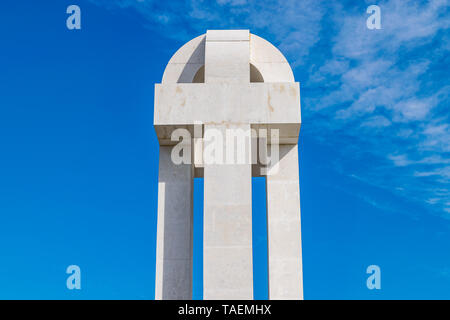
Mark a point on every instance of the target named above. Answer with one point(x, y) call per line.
point(228, 79)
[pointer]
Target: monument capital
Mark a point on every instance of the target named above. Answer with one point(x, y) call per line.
point(229, 76)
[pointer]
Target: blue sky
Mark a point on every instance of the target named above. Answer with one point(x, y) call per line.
point(78, 164)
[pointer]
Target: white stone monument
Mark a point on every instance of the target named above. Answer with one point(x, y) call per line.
point(223, 80)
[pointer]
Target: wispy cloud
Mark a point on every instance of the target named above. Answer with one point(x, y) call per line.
point(390, 81)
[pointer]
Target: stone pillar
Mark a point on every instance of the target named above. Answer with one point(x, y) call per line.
point(175, 226)
point(227, 251)
point(284, 228)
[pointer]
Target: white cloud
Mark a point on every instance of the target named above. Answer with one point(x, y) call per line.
point(400, 160)
point(436, 136)
point(376, 122)
point(413, 109)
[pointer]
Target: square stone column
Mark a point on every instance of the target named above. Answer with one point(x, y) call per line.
point(174, 229)
point(284, 227)
point(227, 252)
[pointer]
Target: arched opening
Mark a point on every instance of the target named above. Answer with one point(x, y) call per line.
point(255, 75)
point(199, 75)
